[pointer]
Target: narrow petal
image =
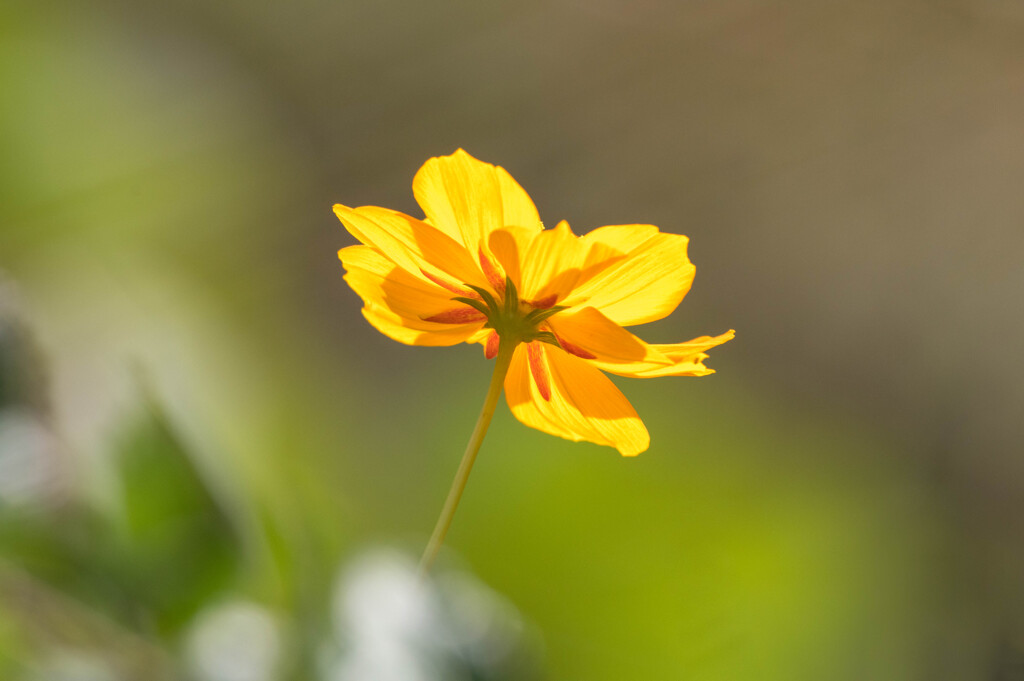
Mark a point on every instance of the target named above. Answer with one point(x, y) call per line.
point(589, 334)
point(396, 302)
point(584, 404)
point(492, 272)
point(633, 273)
point(460, 314)
point(687, 359)
point(539, 369)
point(468, 199)
point(412, 244)
point(491, 345)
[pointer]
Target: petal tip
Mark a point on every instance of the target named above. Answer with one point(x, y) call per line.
point(632, 449)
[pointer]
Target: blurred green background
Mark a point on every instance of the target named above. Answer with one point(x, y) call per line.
point(204, 449)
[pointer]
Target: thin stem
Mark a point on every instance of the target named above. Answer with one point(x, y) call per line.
point(501, 364)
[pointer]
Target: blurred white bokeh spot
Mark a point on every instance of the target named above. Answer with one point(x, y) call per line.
point(486, 626)
point(235, 641)
point(28, 466)
point(394, 626)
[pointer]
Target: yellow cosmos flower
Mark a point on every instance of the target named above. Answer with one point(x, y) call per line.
point(481, 268)
point(548, 306)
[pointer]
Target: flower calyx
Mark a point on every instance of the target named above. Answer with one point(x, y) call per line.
point(514, 320)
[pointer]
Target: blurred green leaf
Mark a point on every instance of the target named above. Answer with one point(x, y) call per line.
point(169, 550)
point(177, 546)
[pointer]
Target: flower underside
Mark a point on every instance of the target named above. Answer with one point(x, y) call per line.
point(481, 268)
point(513, 321)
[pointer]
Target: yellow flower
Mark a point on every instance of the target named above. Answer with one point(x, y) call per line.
point(481, 268)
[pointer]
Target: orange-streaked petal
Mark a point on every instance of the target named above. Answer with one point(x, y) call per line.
point(643, 284)
point(468, 199)
point(460, 314)
point(397, 328)
point(412, 244)
point(491, 345)
point(584, 404)
point(449, 286)
point(588, 330)
point(523, 398)
point(493, 274)
point(539, 369)
point(395, 301)
point(574, 349)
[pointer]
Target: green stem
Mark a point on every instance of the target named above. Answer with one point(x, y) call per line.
point(501, 364)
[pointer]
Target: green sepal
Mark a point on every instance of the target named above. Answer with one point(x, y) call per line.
point(539, 315)
point(488, 298)
point(547, 337)
point(478, 305)
point(511, 296)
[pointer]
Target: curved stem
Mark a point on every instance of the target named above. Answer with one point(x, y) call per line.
point(501, 364)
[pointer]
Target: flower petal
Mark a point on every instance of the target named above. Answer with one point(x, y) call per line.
point(395, 301)
point(468, 199)
point(509, 246)
point(517, 206)
point(395, 328)
point(523, 397)
point(602, 339)
point(633, 273)
point(491, 345)
point(552, 263)
point(412, 244)
point(460, 314)
point(539, 369)
point(687, 359)
point(584, 404)
point(611, 348)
